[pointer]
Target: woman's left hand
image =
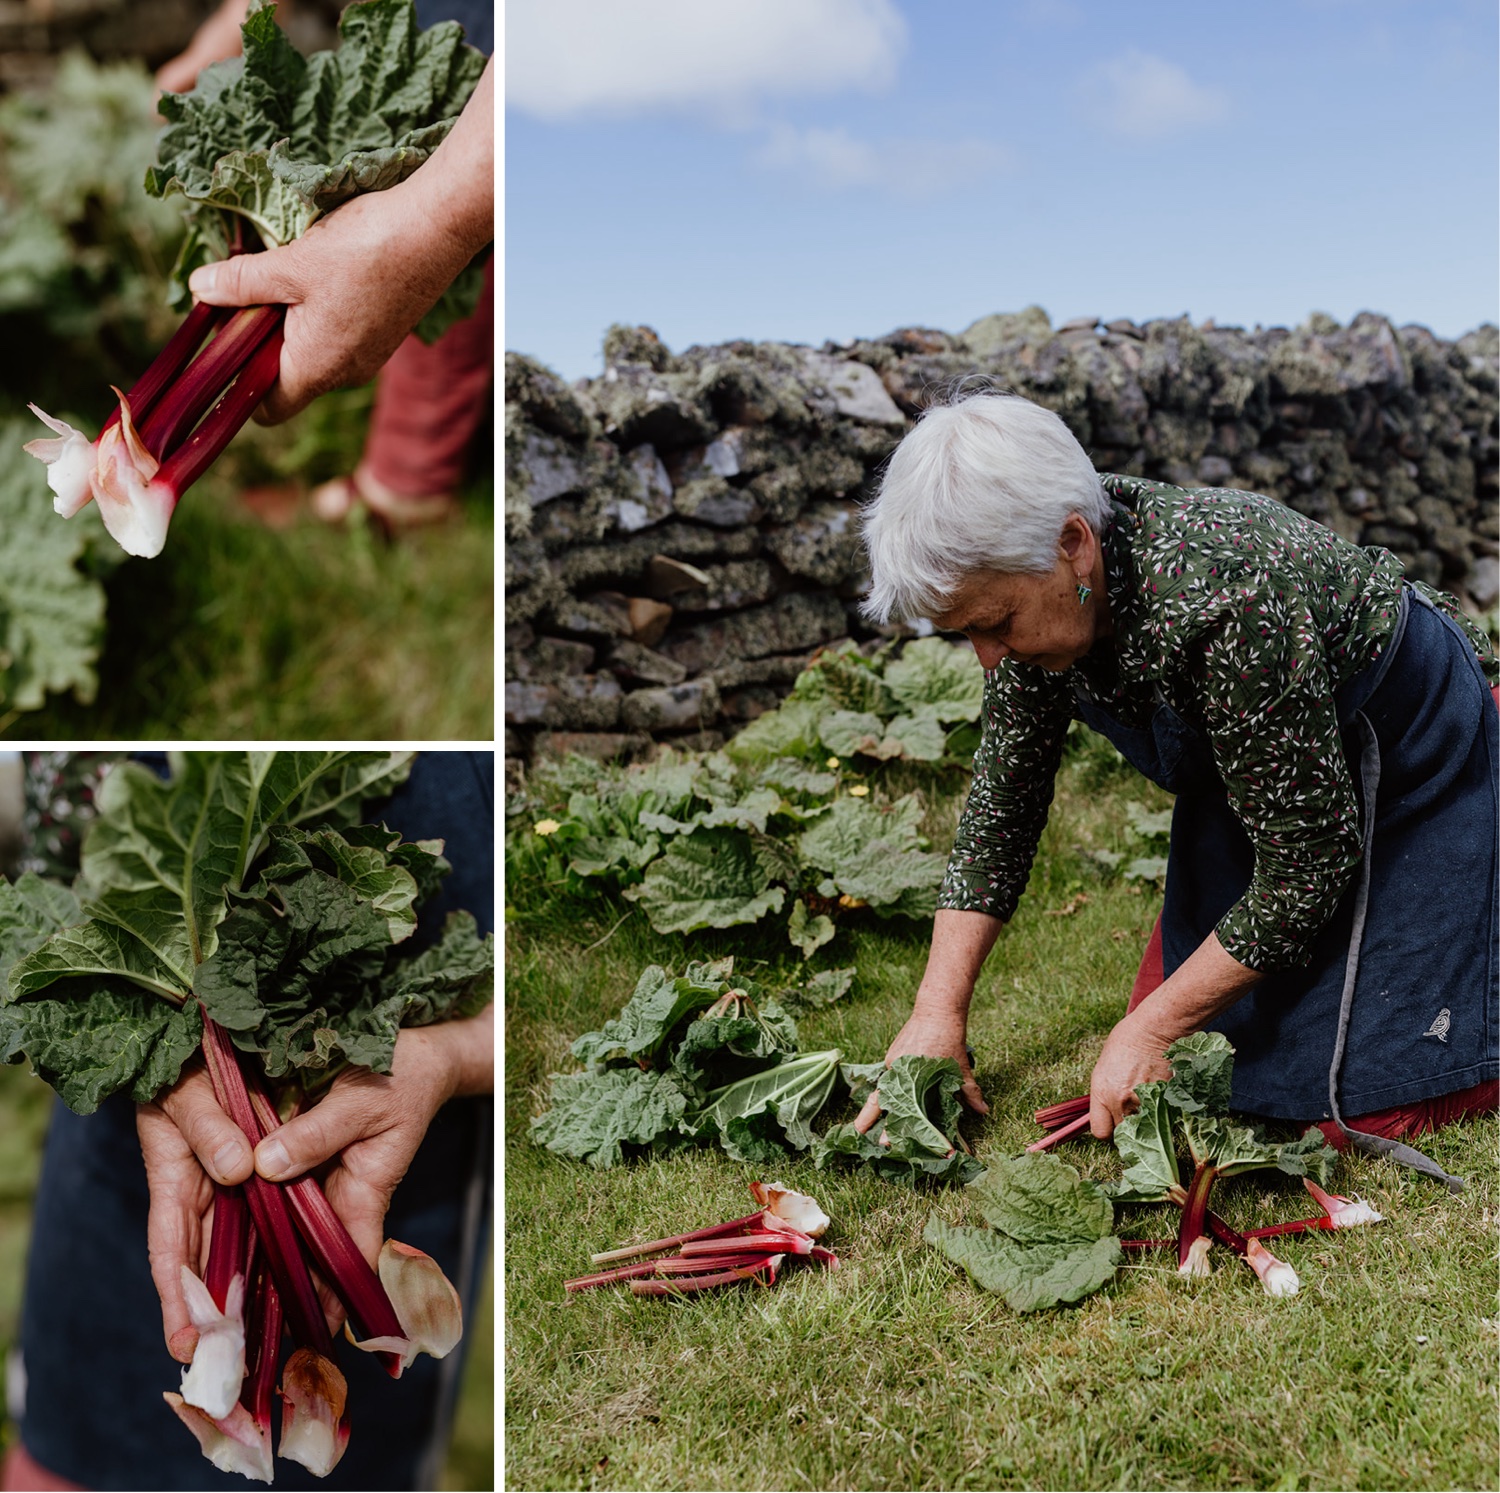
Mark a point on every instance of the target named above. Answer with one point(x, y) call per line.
point(1132, 1055)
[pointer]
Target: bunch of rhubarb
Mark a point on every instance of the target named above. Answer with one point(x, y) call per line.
point(1051, 1235)
point(262, 147)
point(754, 1247)
point(239, 913)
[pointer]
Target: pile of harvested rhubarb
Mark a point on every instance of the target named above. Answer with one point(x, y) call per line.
point(785, 1226)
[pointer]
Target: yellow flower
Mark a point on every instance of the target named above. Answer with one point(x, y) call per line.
point(547, 826)
point(859, 790)
point(833, 762)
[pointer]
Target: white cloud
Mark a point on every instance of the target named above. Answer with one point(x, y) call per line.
point(1147, 98)
point(571, 57)
point(832, 158)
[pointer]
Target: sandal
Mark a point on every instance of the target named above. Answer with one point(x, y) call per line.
point(338, 501)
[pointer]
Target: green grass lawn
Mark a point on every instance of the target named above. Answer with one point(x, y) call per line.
point(239, 631)
point(897, 1371)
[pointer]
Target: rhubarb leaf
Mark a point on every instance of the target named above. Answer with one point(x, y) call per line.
point(751, 1117)
point(281, 140)
point(1029, 1276)
point(806, 932)
point(1144, 1141)
point(1232, 1148)
point(917, 1134)
point(709, 879)
point(876, 855)
point(1202, 1067)
point(51, 611)
point(91, 1039)
point(656, 1008)
point(1039, 1199)
point(716, 1049)
point(945, 677)
point(593, 1115)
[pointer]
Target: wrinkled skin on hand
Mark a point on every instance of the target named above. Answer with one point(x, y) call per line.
point(935, 1035)
point(1131, 1056)
point(360, 1138)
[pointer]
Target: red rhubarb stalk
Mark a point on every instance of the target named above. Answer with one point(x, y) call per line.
point(205, 379)
point(782, 1240)
point(198, 452)
point(1061, 1134)
point(694, 1282)
point(268, 1204)
point(656, 1246)
point(333, 1251)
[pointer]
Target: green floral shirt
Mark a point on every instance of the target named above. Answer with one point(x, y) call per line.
point(1244, 617)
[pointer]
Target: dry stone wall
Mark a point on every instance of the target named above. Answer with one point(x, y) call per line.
point(682, 536)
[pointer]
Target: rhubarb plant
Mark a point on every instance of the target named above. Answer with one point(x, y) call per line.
point(699, 1056)
point(239, 911)
point(917, 1136)
point(263, 147)
point(1020, 1197)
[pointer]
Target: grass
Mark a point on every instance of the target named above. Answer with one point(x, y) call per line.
point(24, 1105)
point(238, 631)
point(898, 1372)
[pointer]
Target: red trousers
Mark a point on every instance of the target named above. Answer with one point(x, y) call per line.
point(429, 401)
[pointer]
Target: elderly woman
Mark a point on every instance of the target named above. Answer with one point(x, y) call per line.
point(1327, 726)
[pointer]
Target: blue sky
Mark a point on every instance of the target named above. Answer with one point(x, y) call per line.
point(801, 170)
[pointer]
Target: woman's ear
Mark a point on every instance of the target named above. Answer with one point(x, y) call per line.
point(1078, 543)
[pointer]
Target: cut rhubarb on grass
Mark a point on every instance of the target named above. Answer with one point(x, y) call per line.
point(749, 1248)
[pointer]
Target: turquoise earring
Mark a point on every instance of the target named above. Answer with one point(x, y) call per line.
point(1084, 592)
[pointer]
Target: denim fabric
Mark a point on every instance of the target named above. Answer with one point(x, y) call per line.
point(1429, 944)
point(91, 1334)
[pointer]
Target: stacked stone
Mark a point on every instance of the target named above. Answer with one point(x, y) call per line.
point(681, 531)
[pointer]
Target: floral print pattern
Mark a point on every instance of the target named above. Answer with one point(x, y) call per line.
point(1245, 617)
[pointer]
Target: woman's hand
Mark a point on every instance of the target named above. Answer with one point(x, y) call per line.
point(367, 1127)
point(359, 280)
point(936, 1034)
point(1131, 1056)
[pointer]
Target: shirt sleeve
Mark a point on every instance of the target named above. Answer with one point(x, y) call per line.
point(1026, 716)
point(1268, 704)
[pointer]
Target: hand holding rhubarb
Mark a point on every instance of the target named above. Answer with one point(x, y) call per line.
point(240, 911)
point(360, 279)
point(263, 149)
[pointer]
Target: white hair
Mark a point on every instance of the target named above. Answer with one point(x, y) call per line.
point(984, 481)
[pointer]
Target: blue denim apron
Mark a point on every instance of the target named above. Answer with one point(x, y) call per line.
point(94, 1360)
point(1398, 1001)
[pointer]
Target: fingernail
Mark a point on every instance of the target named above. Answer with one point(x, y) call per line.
point(205, 280)
point(228, 1159)
point(271, 1159)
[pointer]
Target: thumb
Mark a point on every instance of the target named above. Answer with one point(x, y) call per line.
point(308, 1140)
point(264, 279)
point(971, 1096)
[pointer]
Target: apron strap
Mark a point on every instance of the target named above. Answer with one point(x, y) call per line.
point(1371, 1145)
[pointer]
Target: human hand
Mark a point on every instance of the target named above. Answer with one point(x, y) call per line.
point(933, 1034)
point(217, 38)
point(360, 279)
point(368, 1127)
point(1132, 1055)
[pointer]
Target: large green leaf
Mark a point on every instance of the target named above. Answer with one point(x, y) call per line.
point(754, 1117)
point(1037, 1200)
point(709, 879)
point(875, 855)
point(1029, 1276)
point(592, 1115)
point(1146, 1146)
point(657, 1007)
point(946, 677)
point(917, 1134)
point(51, 612)
point(280, 140)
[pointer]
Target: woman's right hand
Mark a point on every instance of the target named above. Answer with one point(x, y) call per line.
point(931, 1034)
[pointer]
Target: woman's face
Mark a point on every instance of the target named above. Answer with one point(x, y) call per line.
point(1037, 619)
